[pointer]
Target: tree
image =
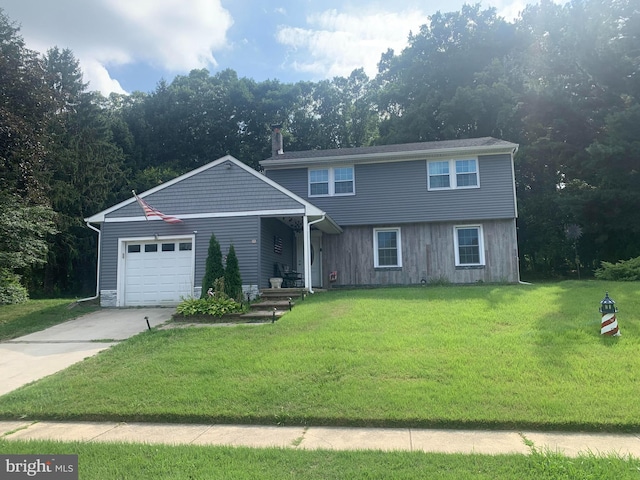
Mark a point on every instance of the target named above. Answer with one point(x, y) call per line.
point(64, 78)
point(24, 230)
point(83, 171)
point(417, 87)
point(25, 108)
point(577, 67)
point(213, 266)
point(338, 113)
point(606, 197)
point(232, 279)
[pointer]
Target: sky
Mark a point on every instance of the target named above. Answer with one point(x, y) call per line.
point(130, 45)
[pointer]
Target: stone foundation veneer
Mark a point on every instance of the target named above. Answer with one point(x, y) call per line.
point(252, 290)
point(108, 298)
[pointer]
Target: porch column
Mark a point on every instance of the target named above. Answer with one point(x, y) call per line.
point(306, 247)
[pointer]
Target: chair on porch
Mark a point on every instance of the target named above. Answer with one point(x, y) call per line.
point(290, 279)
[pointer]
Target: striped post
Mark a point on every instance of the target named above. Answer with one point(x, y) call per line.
point(609, 324)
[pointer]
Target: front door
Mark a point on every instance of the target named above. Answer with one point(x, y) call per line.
point(316, 257)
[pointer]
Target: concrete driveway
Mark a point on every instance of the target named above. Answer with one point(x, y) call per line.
point(34, 356)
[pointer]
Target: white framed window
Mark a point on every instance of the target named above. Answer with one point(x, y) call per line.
point(469, 245)
point(331, 181)
point(449, 174)
point(387, 247)
point(318, 182)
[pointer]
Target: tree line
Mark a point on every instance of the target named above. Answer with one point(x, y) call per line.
point(562, 81)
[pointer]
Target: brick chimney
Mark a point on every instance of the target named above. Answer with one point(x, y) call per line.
point(276, 140)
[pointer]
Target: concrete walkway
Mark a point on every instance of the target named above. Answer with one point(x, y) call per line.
point(328, 438)
point(37, 355)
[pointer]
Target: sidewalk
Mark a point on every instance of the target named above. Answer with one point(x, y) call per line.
point(329, 438)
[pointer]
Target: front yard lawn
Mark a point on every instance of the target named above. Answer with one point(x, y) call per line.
point(512, 356)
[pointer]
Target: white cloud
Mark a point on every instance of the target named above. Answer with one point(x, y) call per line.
point(510, 9)
point(335, 43)
point(165, 37)
point(174, 35)
point(98, 77)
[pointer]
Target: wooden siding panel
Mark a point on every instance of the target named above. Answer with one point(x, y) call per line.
point(215, 190)
point(427, 253)
point(397, 193)
point(241, 231)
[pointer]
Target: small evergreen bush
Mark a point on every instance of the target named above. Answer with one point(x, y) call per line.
point(232, 278)
point(624, 270)
point(213, 266)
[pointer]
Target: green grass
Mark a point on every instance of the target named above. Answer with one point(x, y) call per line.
point(474, 357)
point(35, 315)
point(139, 462)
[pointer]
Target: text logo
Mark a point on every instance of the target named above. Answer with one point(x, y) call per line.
point(49, 467)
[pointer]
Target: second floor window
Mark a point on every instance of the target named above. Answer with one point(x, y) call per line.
point(318, 182)
point(447, 174)
point(331, 181)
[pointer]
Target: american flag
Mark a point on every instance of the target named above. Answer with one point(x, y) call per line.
point(149, 211)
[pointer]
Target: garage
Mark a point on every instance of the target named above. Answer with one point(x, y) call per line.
point(157, 272)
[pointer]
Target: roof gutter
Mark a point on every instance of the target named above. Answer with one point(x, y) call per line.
point(97, 267)
point(391, 156)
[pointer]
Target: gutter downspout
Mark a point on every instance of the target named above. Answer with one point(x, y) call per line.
point(515, 201)
point(97, 267)
point(307, 251)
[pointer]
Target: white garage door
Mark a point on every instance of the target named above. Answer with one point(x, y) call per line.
point(158, 272)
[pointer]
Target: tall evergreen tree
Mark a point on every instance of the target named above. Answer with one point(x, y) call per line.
point(232, 279)
point(84, 173)
point(25, 110)
point(213, 266)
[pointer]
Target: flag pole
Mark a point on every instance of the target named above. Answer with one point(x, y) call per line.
point(144, 210)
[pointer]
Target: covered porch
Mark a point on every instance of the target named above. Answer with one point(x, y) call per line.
point(292, 249)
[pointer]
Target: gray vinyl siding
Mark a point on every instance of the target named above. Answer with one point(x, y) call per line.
point(397, 193)
point(271, 227)
point(242, 232)
point(217, 189)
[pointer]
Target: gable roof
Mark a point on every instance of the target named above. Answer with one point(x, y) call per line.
point(397, 152)
point(309, 209)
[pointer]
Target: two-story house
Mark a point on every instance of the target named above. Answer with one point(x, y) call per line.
point(405, 214)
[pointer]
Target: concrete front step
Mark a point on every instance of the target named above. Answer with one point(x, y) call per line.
point(278, 300)
point(283, 293)
point(263, 315)
point(269, 304)
point(291, 292)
